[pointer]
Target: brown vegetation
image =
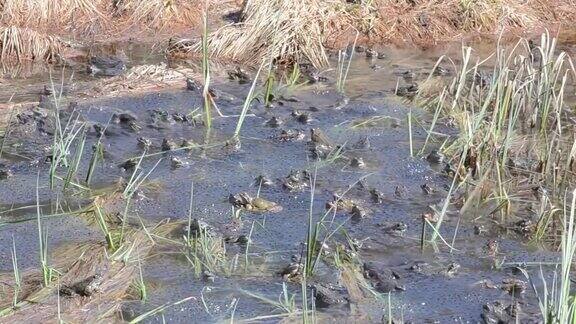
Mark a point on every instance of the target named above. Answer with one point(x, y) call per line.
point(267, 28)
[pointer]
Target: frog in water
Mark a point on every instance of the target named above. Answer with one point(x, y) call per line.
point(318, 137)
point(256, 204)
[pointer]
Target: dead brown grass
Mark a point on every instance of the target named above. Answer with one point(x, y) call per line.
point(426, 22)
point(40, 304)
point(158, 13)
point(278, 29)
point(271, 29)
point(25, 44)
point(288, 30)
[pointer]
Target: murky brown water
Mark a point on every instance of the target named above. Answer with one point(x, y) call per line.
point(432, 293)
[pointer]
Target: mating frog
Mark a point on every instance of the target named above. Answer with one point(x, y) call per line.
point(245, 201)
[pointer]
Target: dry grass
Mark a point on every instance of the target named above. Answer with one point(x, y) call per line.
point(158, 13)
point(288, 31)
point(34, 13)
point(119, 271)
point(24, 44)
point(278, 29)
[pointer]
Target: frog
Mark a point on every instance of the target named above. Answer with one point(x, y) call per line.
point(312, 74)
point(341, 203)
point(491, 248)
point(199, 228)
point(435, 157)
point(261, 204)
point(421, 267)
point(524, 227)
point(191, 85)
point(233, 145)
point(317, 136)
point(441, 71)
point(427, 189)
point(502, 312)
point(449, 170)
point(187, 143)
point(129, 164)
point(362, 144)
point(408, 75)
point(239, 239)
point(85, 288)
point(400, 191)
point(177, 162)
point(371, 53)
point(257, 204)
point(319, 151)
point(263, 181)
point(376, 195)
point(357, 162)
point(395, 229)
point(5, 173)
point(291, 135)
point(274, 122)
point(292, 270)
point(482, 79)
point(297, 180)
point(159, 115)
point(326, 295)
point(208, 276)
point(451, 270)
point(383, 279)
point(144, 142)
point(100, 130)
point(301, 117)
point(179, 117)
point(480, 229)
point(124, 118)
point(168, 144)
point(106, 65)
point(358, 212)
point(513, 286)
point(238, 74)
point(407, 91)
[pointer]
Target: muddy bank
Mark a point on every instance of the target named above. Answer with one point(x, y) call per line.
point(250, 31)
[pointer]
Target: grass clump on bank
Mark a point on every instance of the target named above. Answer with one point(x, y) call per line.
point(270, 29)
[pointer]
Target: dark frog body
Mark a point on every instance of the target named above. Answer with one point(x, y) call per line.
point(106, 66)
point(84, 288)
point(383, 279)
point(326, 295)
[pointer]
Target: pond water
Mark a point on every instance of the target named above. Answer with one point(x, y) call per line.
point(438, 283)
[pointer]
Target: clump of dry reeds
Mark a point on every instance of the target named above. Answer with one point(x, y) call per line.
point(34, 13)
point(158, 13)
point(425, 21)
point(277, 29)
point(25, 44)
